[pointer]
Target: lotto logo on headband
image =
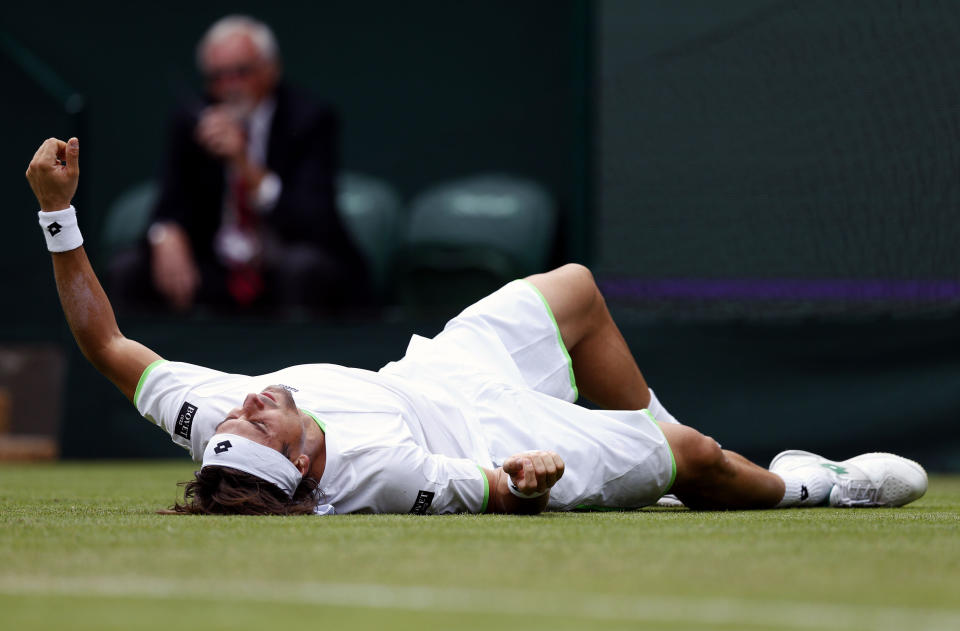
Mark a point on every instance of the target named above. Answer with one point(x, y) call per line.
point(243, 454)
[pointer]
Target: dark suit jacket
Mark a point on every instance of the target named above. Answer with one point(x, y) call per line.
point(302, 151)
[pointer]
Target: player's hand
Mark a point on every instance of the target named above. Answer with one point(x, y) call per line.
point(534, 471)
point(54, 172)
point(175, 274)
point(220, 133)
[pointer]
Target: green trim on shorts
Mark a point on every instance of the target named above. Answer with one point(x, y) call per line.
point(143, 379)
point(323, 427)
point(486, 489)
point(673, 461)
point(563, 347)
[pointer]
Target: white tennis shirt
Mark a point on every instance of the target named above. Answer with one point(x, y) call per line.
point(389, 449)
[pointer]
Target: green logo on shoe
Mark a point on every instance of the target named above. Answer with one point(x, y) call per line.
point(833, 467)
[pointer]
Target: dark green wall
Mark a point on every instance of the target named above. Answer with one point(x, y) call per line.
point(769, 139)
point(431, 90)
point(774, 216)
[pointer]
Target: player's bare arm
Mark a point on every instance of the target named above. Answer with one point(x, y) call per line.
point(522, 485)
point(53, 175)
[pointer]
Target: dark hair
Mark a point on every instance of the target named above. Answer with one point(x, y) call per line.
point(226, 491)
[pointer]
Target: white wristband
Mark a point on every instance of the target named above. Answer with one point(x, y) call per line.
point(60, 229)
point(527, 496)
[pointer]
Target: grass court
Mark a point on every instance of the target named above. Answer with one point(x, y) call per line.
point(82, 548)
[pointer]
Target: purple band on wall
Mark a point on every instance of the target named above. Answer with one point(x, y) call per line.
point(783, 289)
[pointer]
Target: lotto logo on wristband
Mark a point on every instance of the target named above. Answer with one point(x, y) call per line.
point(60, 229)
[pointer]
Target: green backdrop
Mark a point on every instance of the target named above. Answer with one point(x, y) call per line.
point(791, 144)
point(710, 153)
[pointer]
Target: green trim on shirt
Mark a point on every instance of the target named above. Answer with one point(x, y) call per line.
point(673, 461)
point(143, 379)
point(323, 427)
point(486, 489)
point(563, 347)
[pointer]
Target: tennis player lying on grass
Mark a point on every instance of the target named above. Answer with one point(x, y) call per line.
point(478, 419)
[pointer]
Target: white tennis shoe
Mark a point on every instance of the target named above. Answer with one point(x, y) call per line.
point(870, 480)
point(669, 501)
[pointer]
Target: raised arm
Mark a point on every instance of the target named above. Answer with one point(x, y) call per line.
point(53, 175)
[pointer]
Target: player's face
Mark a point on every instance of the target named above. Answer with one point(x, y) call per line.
point(270, 418)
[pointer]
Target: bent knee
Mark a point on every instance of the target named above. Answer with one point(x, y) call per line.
point(578, 274)
point(697, 456)
point(582, 288)
point(573, 296)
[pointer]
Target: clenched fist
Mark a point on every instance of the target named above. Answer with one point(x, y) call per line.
point(54, 172)
point(534, 472)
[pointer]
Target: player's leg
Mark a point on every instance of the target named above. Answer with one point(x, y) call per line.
point(709, 477)
point(604, 367)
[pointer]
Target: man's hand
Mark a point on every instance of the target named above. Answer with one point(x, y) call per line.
point(54, 172)
point(531, 473)
point(175, 274)
point(534, 471)
point(220, 133)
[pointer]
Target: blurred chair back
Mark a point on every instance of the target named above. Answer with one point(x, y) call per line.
point(467, 237)
point(372, 213)
point(128, 218)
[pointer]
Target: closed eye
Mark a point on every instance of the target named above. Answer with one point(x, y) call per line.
point(230, 417)
point(260, 425)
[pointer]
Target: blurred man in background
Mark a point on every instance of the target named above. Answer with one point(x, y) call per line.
point(246, 215)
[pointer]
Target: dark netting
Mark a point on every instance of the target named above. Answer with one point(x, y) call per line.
point(792, 157)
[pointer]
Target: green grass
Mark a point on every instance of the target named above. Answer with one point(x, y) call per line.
point(81, 548)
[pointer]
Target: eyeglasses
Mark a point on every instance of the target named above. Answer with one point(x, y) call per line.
point(239, 71)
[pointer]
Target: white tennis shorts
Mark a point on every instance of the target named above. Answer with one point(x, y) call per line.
point(505, 355)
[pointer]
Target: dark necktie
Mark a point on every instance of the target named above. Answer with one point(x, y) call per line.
point(244, 281)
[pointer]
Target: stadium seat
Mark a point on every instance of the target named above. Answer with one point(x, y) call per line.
point(128, 218)
point(467, 237)
point(373, 214)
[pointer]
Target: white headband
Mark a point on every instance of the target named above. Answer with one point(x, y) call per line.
point(237, 452)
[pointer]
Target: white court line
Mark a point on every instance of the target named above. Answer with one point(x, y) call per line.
point(641, 608)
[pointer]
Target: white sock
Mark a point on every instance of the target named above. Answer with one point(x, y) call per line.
point(805, 488)
point(658, 411)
